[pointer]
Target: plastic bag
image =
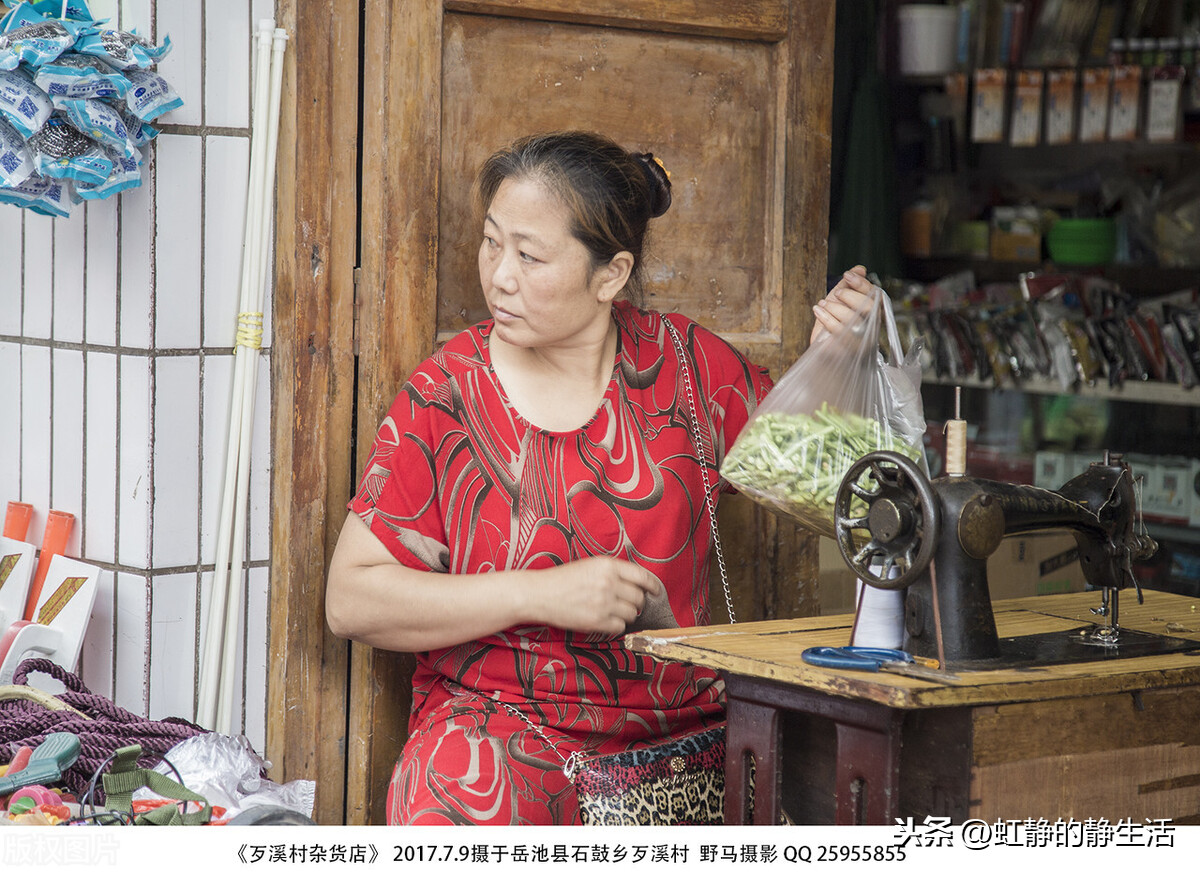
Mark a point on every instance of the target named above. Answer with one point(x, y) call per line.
point(78, 77)
point(228, 773)
point(150, 95)
point(44, 196)
point(16, 162)
point(126, 174)
point(842, 399)
point(101, 122)
point(22, 103)
point(37, 43)
point(124, 50)
point(61, 152)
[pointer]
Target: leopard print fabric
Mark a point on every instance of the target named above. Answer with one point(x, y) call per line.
point(677, 783)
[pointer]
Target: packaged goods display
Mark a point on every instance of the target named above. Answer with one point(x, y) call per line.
point(76, 101)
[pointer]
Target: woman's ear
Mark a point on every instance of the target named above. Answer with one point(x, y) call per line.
point(611, 277)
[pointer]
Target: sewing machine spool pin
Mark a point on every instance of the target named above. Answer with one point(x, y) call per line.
point(912, 524)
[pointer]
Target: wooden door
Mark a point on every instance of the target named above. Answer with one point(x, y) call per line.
point(733, 95)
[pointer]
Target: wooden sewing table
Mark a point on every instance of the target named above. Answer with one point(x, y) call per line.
point(1112, 738)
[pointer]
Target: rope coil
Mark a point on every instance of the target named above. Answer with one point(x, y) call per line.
point(101, 725)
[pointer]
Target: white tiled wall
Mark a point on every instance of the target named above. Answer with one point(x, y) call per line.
point(116, 335)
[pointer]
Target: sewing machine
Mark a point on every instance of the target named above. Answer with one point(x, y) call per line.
point(897, 529)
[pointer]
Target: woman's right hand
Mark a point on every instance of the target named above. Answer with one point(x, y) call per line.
point(597, 595)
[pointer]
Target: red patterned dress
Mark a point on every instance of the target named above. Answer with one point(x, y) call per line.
point(458, 482)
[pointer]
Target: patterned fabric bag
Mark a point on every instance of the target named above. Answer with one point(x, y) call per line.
point(680, 782)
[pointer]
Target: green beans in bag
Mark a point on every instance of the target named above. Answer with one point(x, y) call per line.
point(794, 462)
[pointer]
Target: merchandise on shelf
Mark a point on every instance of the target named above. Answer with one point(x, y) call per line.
point(1067, 328)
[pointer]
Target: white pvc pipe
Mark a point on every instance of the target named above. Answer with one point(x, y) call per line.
point(226, 698)
point(206, 708)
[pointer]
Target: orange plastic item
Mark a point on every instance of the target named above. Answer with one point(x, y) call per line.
point(16, 520)
point(54, 542)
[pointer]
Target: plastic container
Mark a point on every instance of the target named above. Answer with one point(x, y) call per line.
point(1082, 241)
point(928, 38)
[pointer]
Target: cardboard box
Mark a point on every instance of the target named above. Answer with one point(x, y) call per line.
point(1050, 469)
point(1035, 564)
point(1016, 234)
point(1167, 493)
point(1009, 246)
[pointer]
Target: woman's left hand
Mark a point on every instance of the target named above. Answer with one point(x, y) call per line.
point(849, 301)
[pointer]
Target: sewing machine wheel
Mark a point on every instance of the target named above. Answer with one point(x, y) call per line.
point(892, 543)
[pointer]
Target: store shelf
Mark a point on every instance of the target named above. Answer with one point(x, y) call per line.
point(1131, 392)
point(1174, 533)
point(1141, 280)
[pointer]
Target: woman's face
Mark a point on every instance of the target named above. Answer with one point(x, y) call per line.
point(537, 278)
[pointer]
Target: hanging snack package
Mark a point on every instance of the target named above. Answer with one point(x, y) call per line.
point(62, 152)
point(126, 174)
point(73, 76)
point(45, 196)
point(38, 43)
point(150, 95)
point(140, 133)
point(23, 104)
point(101, 122)
point(842, 399)
point(76, 10)
point(16, 161)
point(124, 50)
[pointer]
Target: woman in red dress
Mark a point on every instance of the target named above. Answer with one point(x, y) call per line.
point(534, 493)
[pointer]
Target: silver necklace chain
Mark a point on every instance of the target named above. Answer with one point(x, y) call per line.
point(703, 461)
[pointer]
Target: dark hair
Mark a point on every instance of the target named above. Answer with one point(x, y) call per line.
point(610, 193)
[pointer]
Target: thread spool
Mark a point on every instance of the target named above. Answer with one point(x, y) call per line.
point(879, 616)
point(956, 440)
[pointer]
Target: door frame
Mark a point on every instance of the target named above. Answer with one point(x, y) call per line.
point(312, 391)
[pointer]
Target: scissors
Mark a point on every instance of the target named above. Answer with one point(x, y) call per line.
point(874, 660)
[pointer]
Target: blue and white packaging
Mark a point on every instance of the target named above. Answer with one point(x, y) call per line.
point(76, 10)
point(140, 133)
point(16, 161)
point(44, 196)
point(101, 122)
point(21, 15)
point(122, 50)
point(62, 152)
point(126, 174)
point(22, 103)
point(72, 76)
point(38, 43)
point(150, 95)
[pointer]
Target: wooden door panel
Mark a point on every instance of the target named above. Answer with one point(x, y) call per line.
point(737, 19)
point(708, 107)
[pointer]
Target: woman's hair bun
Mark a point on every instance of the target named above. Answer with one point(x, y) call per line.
point(659, 181)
